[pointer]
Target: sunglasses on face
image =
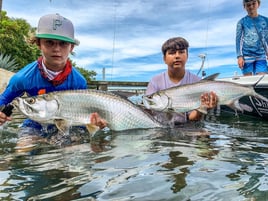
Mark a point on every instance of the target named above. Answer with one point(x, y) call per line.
point(52, 43)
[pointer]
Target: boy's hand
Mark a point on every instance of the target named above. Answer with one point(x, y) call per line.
point(209, 100)
point(240, 62)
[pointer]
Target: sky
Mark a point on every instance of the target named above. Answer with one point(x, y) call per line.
point(121, 39)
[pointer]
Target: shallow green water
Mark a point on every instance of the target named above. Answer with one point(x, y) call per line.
point(179, 164)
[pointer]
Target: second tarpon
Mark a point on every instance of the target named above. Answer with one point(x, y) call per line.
point(185, 98)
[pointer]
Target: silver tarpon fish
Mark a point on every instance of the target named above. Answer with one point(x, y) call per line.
point(185, 98)
point(73, 107)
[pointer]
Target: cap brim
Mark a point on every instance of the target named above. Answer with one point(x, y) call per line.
point(57, 37)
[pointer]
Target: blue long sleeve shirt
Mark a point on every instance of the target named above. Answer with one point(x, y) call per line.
point(30, 80)
point(251, 43)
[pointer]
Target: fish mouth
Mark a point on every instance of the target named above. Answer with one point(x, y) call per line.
point(16, 103)
point(22, 106)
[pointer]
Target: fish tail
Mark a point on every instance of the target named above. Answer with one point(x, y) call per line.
point(246, 107)
point(235, 106)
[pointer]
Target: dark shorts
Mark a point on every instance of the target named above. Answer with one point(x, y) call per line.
point(255, 67)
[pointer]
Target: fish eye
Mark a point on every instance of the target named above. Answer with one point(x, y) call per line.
point(31, 101)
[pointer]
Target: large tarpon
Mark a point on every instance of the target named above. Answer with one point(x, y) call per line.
point(185, 98)
point(73, 107)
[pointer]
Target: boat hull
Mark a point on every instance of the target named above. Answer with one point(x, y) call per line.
point(259, 107)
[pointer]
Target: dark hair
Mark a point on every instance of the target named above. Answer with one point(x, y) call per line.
point(176, 43)
point(34, 40)
point(246, 1)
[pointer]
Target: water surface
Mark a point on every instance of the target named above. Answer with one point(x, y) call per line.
point(223, 158)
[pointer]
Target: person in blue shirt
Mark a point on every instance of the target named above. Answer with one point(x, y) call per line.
point(251, 40)
point(52, 71)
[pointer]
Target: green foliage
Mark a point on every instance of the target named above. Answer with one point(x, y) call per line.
point(89, 75)
point(14, 34)
point(7, 62)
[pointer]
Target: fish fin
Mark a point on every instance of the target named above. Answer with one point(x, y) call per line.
point(125, 94)
point(245, 107)
point(236, 105)
point(211, 77)
point(62, 125)
point(202, 109)
point(92, 129)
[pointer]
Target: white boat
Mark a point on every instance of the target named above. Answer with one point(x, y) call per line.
point(260, 84)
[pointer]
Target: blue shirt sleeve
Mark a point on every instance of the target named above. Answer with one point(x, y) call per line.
point(239, 35)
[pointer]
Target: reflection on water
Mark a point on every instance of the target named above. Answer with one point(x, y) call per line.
point(222, 159)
